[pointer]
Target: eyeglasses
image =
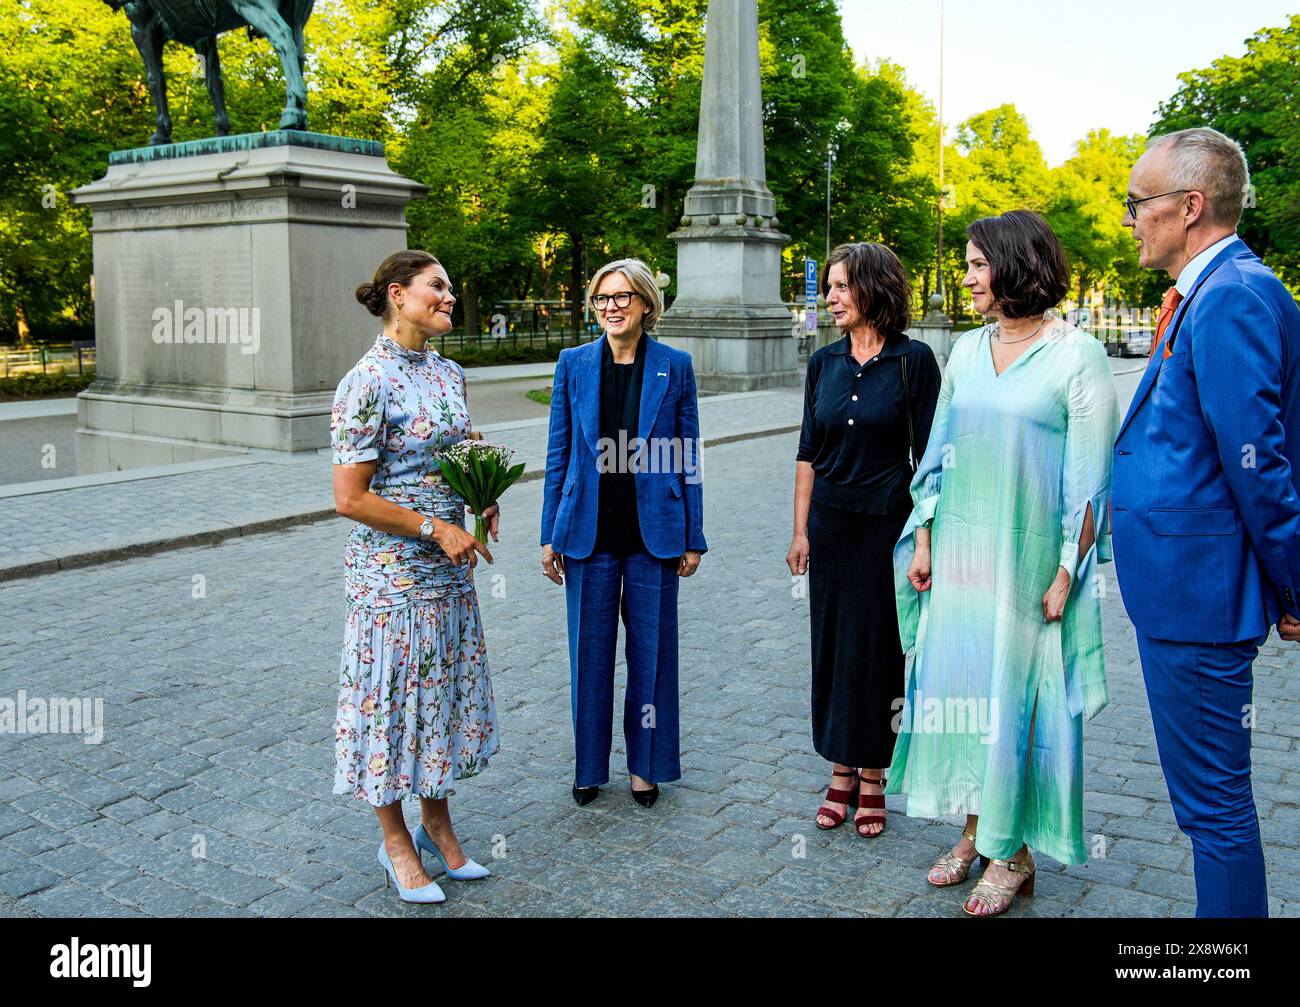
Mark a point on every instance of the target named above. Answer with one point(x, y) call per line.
point(1131, 204)
point(622, 299)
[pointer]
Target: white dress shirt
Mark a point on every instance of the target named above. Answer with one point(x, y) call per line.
point(1193, 270)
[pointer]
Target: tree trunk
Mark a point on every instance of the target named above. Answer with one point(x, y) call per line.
point(24, 330)
point(470, 292)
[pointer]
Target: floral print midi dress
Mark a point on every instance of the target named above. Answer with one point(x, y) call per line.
point(415, 707)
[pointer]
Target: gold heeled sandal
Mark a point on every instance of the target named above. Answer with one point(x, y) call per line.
point(996, 898)
point(955, 870)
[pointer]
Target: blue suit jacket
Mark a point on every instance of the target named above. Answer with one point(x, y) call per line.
point(1206, 513)
point(669, 494)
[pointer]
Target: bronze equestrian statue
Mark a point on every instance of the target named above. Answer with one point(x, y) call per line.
point(197, 23)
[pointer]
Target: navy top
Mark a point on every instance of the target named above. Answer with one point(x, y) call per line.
point(618, 526)
point(855, 424)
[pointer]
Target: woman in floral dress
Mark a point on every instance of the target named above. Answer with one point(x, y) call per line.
point(415, 710)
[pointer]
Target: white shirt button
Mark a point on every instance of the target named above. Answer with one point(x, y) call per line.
point(850, 421)
point(855, 398)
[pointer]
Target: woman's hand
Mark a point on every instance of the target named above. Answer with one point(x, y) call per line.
point(689, 563)
point(492, 515)
point(918, 574)
point(459, 545)
point(797, 558)
point(1054, 599)
point(552, 564)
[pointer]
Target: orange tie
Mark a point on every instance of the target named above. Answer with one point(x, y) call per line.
point(1167, 308)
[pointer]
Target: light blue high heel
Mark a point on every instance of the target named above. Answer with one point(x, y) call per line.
point(468, 871)
point(428, 894)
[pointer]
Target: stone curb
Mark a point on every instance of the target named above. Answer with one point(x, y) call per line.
point(212, 536)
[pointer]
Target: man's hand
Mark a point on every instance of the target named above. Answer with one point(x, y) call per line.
point(1289, 629)
point(688, 563)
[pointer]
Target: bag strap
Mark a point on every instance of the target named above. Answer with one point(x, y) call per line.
point(907, 405)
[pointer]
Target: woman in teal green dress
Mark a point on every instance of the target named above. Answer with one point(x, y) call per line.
point(996, 573)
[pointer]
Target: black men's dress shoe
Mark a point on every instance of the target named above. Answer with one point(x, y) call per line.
point(585, 795)
point(646, 798)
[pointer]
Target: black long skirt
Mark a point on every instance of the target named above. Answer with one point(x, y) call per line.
point(857, 660)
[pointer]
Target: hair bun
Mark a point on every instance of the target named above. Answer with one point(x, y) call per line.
point(373, 299)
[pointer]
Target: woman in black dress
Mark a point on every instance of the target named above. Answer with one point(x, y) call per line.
point(869, 400)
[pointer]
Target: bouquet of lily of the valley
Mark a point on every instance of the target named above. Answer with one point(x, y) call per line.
point(479, 473)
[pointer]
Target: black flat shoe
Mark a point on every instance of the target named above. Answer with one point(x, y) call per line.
point(585, 795)
point(646, 798)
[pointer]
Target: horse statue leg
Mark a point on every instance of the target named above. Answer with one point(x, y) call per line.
point(207, 50)
point(147, 33)
point(265, 17)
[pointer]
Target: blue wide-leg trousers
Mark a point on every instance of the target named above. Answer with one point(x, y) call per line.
point(644, 589)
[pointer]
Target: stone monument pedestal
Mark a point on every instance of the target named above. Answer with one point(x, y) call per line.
point(934, 329)
point(224, 279)
point(728, 314)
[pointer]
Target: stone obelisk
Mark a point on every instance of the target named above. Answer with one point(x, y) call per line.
point(728, 313)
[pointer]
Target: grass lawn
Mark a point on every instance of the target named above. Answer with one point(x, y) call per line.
point(541, 395)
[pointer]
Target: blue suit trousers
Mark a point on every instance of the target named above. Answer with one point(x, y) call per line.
point(645, 589)
point(1200, 696)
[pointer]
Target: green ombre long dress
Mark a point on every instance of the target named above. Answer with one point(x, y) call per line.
point(1012, 464)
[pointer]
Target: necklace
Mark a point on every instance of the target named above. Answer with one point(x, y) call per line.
point(997, 333)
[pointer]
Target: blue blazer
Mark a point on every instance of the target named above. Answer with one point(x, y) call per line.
point(669, 499)
point(1206, 512)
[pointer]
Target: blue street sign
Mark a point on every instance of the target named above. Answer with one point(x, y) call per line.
point(810, 294)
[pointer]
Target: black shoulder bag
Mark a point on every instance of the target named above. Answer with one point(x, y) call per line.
point(907, 405)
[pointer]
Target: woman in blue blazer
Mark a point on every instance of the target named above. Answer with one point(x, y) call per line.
point(622, 517)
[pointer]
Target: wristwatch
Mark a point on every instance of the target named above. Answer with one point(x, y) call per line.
point(426, 530)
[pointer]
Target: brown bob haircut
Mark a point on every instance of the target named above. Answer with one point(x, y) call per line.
point(877, 283)
point(1027, 269)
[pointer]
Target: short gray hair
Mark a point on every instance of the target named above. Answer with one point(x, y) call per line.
point(642, 280)
point(1211, 163)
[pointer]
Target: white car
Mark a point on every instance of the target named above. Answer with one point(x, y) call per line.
point(1137, 344)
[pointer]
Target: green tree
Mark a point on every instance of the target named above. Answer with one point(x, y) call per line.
point(994, 166)
point(1253, 99)
point(1086, 210)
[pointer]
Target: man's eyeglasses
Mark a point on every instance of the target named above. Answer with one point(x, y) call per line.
point(1131, 204)
point(622, 299)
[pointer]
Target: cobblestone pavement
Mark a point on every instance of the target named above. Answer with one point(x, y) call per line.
point(37, 449)
point(39, 531)
point(218, 714)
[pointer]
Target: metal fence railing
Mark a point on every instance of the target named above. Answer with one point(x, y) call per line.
point(517, 338)
point(47, 358)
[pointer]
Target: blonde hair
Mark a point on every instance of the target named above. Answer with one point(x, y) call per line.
point(638, 274)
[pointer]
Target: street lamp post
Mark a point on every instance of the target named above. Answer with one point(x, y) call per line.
point(830, 157)
point(937, 299)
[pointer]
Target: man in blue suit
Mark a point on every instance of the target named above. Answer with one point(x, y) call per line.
point(1206, 513)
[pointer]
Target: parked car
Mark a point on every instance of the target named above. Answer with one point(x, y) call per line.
point(1137, 344)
